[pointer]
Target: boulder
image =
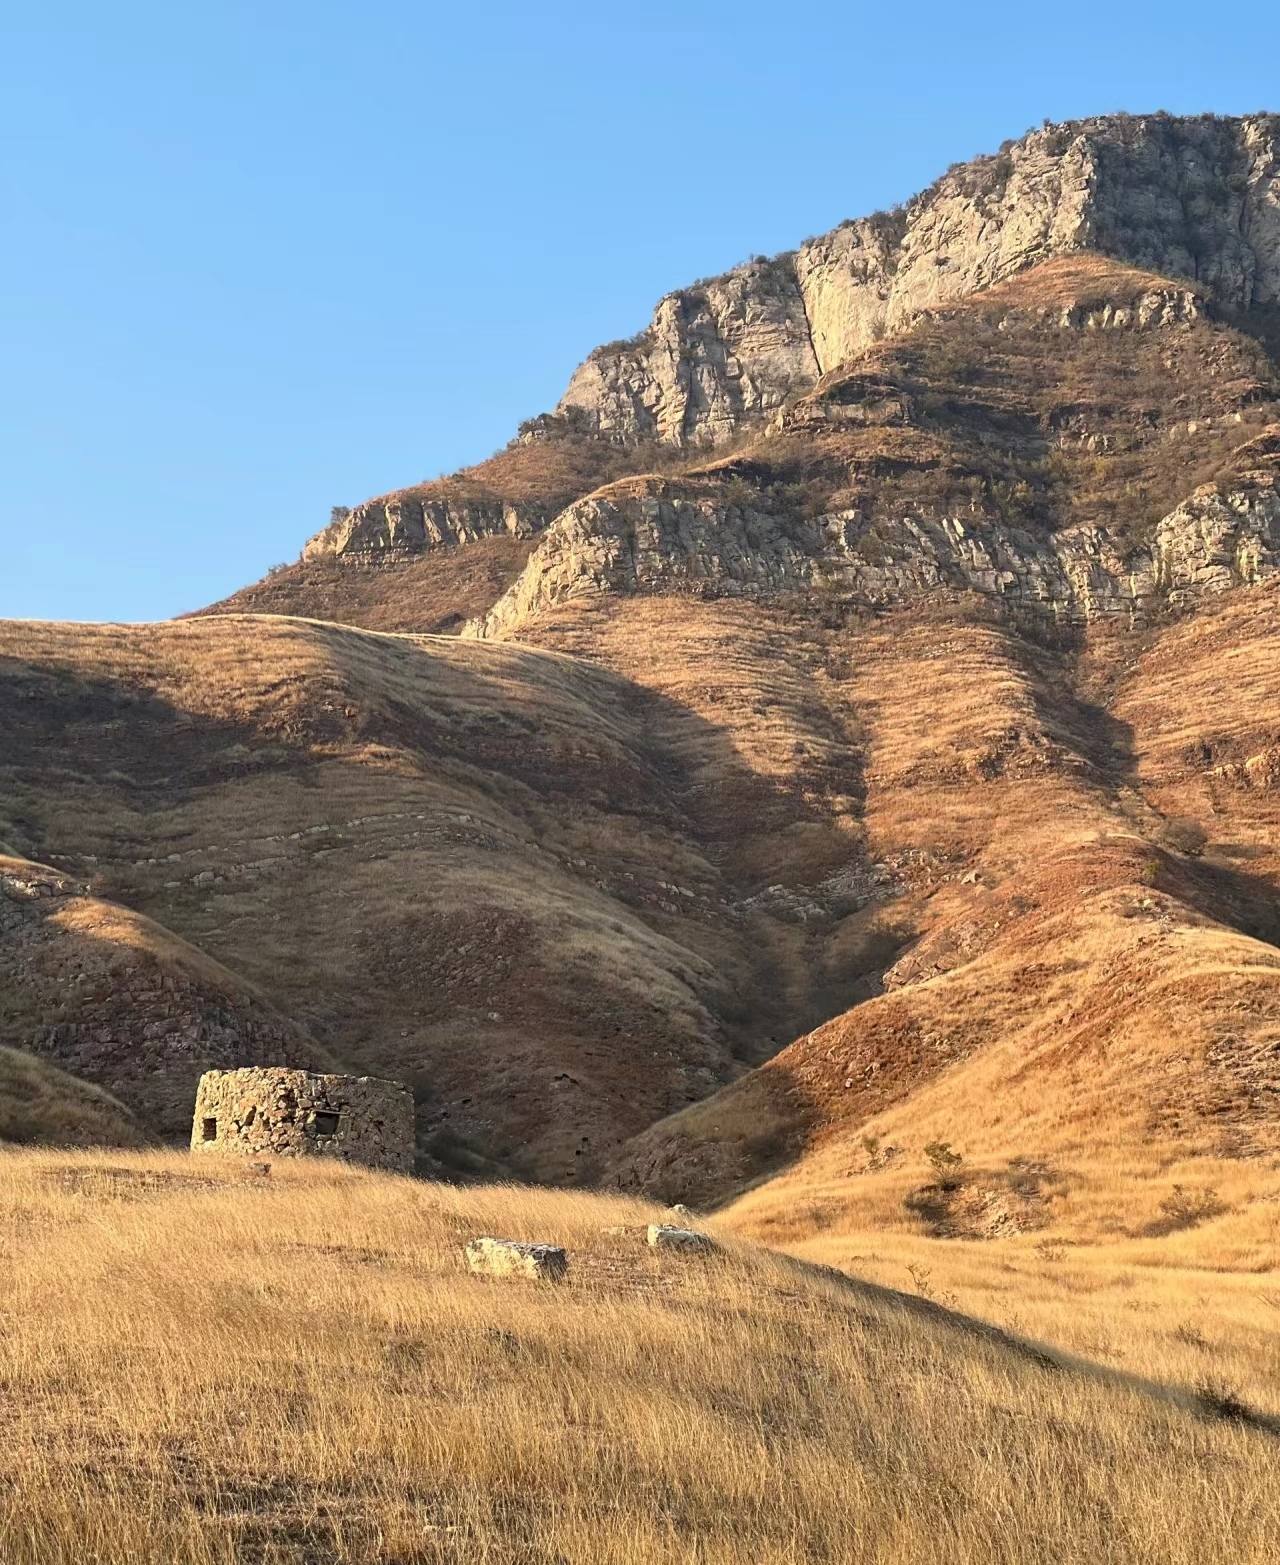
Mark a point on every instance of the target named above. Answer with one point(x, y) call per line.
point(663, 1237)
point(511, 1258)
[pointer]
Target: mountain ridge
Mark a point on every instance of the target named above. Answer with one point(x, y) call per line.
point(1140, 189)
point(575, 786)
point(1195, 199)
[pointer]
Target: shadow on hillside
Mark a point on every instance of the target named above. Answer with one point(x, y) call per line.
point(94, 756)
point(1202, 1402)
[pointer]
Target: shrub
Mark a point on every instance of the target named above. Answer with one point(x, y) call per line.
point(1221, 1400)
point(920, 1276)
point(1185, 836)
point(1185, 1208)
point(946, 1163)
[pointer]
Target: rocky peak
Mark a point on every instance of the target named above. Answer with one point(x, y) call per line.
point(1197, 198)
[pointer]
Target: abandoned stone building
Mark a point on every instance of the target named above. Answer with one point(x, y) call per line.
point(296, 1113)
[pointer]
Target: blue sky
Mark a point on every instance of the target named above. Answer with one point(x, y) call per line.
point(260, 259)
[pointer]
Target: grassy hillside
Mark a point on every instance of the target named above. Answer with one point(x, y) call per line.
point(99, 993)
point(39, 1103)
point(1089, 1012)
point(299, 1369)
point(509, 876)
point(573, 885)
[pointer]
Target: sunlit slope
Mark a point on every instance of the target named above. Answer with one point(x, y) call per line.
point(40, 1103)
point(520, 880)
point(1088, 1014)
point(299, 1367)
point(95, 993)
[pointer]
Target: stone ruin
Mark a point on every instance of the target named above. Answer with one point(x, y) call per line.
point(296, 1113)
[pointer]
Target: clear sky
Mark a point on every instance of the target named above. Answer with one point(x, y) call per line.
point(263, 258)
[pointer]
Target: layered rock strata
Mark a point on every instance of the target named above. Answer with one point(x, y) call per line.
point(1196, 198)
point(397, 526)
point(1219, 537)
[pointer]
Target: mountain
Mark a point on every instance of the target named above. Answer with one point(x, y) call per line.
point(843, 727)
point(1187, 199)
point(1191, 198)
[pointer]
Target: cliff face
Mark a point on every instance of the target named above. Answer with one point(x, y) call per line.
point(1181, 198)
point(716, 355)
point(398, 525)
point(1220, 537)
point(1196, 198)
point(1083, 440)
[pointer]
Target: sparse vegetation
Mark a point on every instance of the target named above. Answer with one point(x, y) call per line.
point(945, 1163)
point(1184, 1208)
point(299, 1368)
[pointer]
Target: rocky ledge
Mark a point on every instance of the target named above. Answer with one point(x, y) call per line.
point(1224, 535)
point(399, 526)
point(1197, 198)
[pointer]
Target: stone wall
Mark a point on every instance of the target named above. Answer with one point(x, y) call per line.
point(294, 1113)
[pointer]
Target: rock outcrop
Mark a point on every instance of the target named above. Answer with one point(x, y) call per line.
point(716, 355)
point(397, 526)
point(662, 1236)
point(1196, 198)
point(654, 541)
point(512, 1258)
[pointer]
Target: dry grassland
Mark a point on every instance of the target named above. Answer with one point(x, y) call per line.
point(511, 876)
point(38, 1102)
point(218, 1368)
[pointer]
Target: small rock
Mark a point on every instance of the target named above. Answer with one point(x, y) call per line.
point(664, 1237)
point(510, 1258)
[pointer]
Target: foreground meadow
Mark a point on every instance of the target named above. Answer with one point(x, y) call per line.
point(203, 1366)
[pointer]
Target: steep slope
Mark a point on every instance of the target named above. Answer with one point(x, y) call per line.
point(431, 556)
point(1082, 441)
point(1093, 1015)
point(526, 884)
point(103, 995)
point(1193, 198)
point(41, 1104)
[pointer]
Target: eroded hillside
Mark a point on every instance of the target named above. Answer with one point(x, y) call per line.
point(1098, 992)
point(528, 885)
point(905, 708)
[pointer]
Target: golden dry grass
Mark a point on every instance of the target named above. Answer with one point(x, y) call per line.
point(450, 860)
point(40, 1103)
point(205, 1367)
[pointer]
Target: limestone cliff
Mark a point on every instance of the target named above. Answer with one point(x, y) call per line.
point(408, 522)
point(1196, 198)
point(1219, 537)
